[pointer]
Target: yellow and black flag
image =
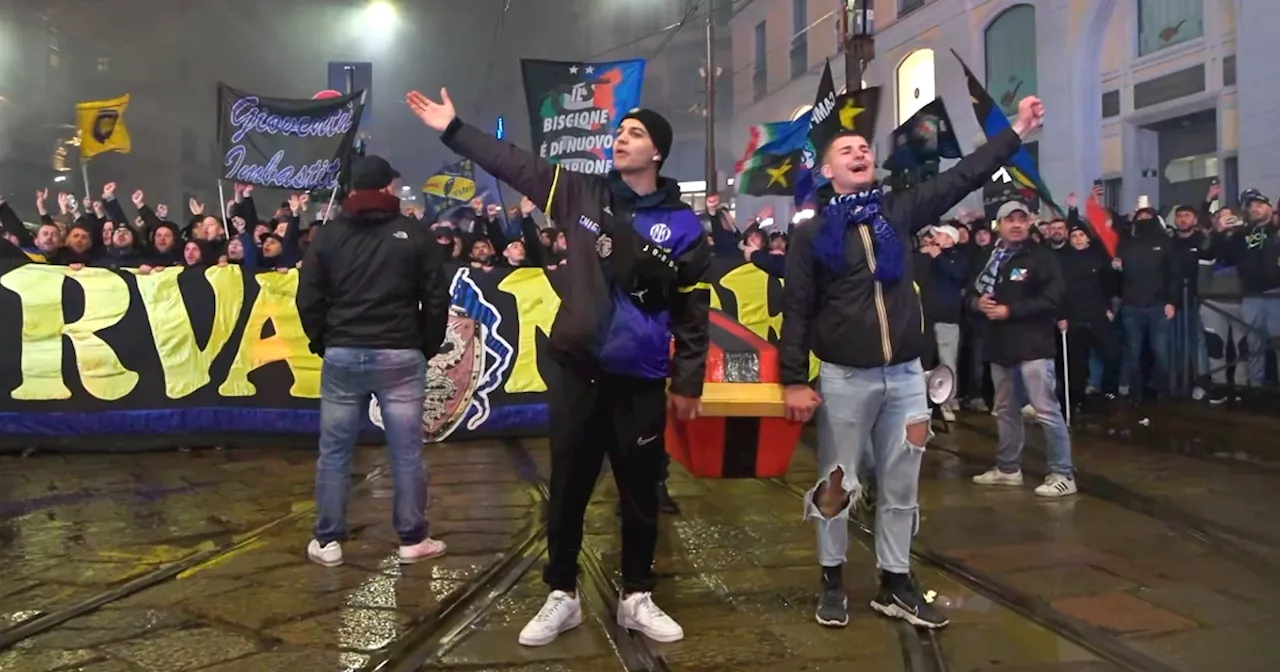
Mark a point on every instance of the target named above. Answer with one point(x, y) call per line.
point(853, 111)
point(101, 127)
point(770, 174)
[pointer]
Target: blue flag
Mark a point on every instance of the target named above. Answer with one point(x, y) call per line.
point(575, 107)
point(1022, 167)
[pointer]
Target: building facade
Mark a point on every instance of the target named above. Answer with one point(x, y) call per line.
point(1139, 93)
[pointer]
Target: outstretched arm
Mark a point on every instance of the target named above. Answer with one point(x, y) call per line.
point(934, 198)
point(551, 188)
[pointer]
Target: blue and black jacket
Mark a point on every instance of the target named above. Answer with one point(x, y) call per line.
point(635, 263)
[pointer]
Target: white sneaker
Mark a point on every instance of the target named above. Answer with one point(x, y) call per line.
point(329, 555)
point(948, 414)
point(638, 612)
point(560, 613)
point(1056, 485)
point(997, 477)
point(1028, 412)
point(423, 550)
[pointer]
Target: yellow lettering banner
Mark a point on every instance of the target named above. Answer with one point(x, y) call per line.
point(95, 351)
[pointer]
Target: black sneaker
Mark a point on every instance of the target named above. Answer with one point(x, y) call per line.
point(833, 603)
point(899, 598)
point(665, 503)
point(1217, 398)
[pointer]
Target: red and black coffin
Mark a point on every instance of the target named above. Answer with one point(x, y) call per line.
point(743, 431)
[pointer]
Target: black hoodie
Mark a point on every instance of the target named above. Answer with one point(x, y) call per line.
point(1090, 283)
point(1149, 277)
point(374, 278)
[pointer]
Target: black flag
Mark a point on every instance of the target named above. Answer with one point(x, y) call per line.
point(285, 143)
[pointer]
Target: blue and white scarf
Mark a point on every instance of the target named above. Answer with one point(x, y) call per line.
point(845, 211)
point(986, 282)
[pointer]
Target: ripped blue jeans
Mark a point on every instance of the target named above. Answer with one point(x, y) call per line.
point(869, 410)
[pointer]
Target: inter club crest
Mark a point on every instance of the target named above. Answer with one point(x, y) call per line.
point(471, 364)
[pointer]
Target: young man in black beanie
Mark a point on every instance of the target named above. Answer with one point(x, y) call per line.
point(635, 255)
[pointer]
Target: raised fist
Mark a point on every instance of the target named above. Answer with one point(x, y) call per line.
point(1030, 116)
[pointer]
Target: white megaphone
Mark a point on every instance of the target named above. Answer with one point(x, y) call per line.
point(941, 384)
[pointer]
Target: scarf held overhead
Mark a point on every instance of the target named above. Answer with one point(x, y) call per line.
point(845, 211)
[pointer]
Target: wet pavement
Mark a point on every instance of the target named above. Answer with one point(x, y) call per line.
point(1168, 559)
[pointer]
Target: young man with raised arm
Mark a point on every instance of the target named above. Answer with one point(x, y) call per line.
point(635, 254)
point(849, 299)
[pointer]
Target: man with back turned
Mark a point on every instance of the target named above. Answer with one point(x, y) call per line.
point(373, 296)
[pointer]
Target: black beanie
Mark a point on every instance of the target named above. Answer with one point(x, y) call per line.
point(657, 126)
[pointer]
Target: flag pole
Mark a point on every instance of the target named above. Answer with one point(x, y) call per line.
point(329, 208)
point(84, 175)
point(222, 203)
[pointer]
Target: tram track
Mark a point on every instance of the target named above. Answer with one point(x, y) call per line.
point(11, 636)
point(922, 650)
point(925, 651)
point(1218, 538)
point(465, 611)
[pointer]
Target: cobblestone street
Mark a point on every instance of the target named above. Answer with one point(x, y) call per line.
point(161, 562)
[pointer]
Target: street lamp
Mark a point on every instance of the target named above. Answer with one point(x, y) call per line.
point(856, 34)
point(380, 13)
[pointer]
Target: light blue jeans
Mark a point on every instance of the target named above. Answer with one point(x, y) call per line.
point(1262, 314)
point(1040, 380)
point(869, 410)
point(398, 379)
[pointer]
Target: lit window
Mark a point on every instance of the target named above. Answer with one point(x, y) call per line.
point(915, 83)
point(104, 64)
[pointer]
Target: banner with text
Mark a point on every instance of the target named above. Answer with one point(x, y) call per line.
point(97, 353)
point(284, 143)
point(574, 109)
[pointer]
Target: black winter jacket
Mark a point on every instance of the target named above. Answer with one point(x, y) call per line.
point(949, 275)
point(1092, 284)
point(1030, 283)
point(1149, 276)
point(374, 278)
point(852, 319)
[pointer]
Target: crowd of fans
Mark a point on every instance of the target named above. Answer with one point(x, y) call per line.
point(100, 234)
point(1201, 284)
